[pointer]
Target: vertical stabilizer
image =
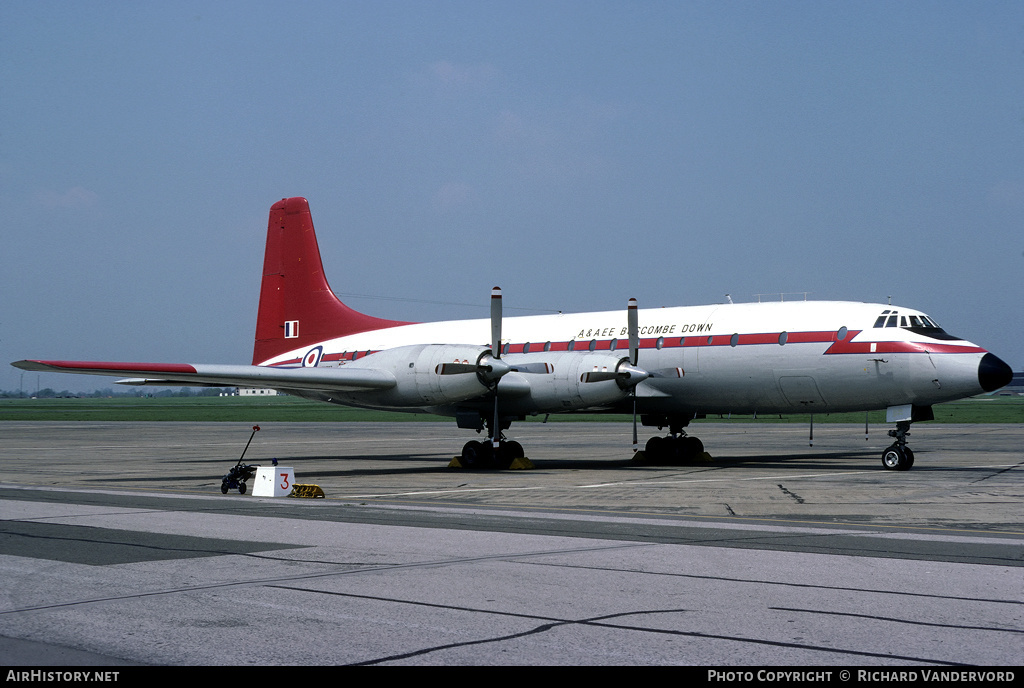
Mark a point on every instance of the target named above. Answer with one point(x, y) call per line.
point(297, 307)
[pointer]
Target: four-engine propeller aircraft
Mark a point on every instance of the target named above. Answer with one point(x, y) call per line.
point(668, 366)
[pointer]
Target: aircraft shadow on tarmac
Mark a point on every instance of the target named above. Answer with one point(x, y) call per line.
point(312, 467)
point(342, 466)
point(832, 460)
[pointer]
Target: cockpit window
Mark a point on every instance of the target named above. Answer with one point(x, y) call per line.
point(918, 324)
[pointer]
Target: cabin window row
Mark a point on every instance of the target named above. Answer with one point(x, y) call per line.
point(613, 345)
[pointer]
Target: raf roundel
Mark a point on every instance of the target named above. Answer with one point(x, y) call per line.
point(312, 357)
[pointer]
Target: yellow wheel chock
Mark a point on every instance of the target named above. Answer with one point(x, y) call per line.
point(311, 491)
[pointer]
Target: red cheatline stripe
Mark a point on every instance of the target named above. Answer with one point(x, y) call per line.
point(901, 348)
point(749, 339)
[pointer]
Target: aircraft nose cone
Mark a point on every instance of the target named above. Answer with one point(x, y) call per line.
point(993, 373)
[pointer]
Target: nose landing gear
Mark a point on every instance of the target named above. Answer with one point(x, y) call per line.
point(899, 457)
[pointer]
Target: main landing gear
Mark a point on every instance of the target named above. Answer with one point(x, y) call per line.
point(673, 449)
point(483, 453)
point(899, 457)
point(677, 447)
point(477, 454)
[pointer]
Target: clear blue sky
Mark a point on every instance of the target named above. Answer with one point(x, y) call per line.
point(575, 153)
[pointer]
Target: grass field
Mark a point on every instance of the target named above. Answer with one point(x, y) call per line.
point(989, 409)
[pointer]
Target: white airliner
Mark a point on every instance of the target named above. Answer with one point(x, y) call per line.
point(668, 365)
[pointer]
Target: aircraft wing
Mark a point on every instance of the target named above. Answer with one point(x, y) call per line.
point(208, 375)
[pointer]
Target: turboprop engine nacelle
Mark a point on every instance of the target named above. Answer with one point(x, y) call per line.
point(580, 379)
point(419, 371)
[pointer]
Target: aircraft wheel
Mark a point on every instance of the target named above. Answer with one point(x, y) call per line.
point(475, 454)
point(897, 458)
point(241, 488)
point(692, 447)
point(506, 454)
point(223, 488)
point(910, 456)
point(655, 448)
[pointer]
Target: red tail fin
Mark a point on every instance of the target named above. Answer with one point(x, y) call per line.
point(297, 306)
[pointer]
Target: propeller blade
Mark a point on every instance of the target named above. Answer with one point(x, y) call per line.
point(599, 376)
point(625, 375)
point(456, 368)
point(496, 428)
point(536, 367)
point(490, 366)
point(633, 327)
point(500, 367)
point(636, 443)
point(496, 322)
point(496, 355)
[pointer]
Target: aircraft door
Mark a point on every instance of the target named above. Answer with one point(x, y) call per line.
point(924, 378)
point(801, 391)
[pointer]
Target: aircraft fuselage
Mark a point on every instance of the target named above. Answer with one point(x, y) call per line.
point(785, 357)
